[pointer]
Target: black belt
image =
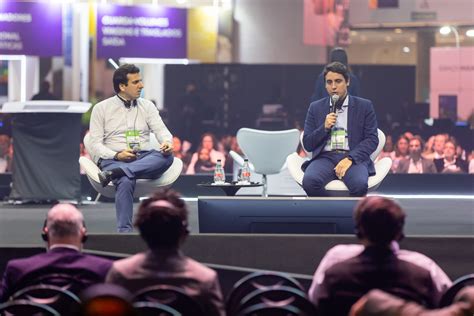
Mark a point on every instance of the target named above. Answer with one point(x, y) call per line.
point(340, 151)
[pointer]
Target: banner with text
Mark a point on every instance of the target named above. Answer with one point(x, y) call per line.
point(140, 31)
point(28, 28)
point(452, 83)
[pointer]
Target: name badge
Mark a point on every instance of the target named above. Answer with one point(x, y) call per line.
point(338, 139)
point(132, 137)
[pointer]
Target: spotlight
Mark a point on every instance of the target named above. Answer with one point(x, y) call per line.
point(445, 30)
point(470, 33)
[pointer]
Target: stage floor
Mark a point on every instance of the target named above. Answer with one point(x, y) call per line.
point(436, 215)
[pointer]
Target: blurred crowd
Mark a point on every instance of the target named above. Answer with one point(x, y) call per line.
point(410, 153)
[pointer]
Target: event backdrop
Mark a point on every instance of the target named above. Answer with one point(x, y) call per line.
point(28, 28)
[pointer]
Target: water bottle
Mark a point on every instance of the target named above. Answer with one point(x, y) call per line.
point(245, 176)
point(219, 175)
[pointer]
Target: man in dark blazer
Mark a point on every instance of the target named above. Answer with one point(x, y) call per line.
point(162, 222)
point(341, 132)
point(450, 163)
point(415, 163)
point(64, 233)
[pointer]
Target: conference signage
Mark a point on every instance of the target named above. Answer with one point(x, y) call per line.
point(30, 28)
point(141, 31)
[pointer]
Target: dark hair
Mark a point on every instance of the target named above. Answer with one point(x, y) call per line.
point(120, 75)
point(379, 219)
point(214, 139)
point(337, 67)
point(338, 54)
point(162, 226)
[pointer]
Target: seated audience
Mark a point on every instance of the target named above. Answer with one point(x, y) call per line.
point(450, 163)
point(204, 164)
point(379, 303)
point(64, 233)
point(348, 272)
point(179, 152)
point(5, 154)
point(207, 141)
point(428, 150)
point(162, 222)
point(400, 152)
point(387, 148)
point(415, 163)
point(438, 147)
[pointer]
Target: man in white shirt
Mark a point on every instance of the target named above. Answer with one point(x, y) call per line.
point(120, 130)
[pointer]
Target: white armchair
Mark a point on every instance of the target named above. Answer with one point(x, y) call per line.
point(337, 187)
point(266, 150)
point(143, 186)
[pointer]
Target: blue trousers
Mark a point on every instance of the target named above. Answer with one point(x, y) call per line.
point(148, 165)
point(321, 171)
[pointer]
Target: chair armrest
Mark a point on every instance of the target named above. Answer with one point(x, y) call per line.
point(294, 162)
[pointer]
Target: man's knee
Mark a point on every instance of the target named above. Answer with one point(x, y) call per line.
point(313, 186)
point(125, 184)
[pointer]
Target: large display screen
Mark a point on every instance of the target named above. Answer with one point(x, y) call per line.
point(29, 28)
point(141, 31)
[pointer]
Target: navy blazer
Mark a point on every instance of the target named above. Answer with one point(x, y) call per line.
point(86, 268)
point(361, 129)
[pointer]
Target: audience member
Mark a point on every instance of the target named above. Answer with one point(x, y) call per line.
point(415, 163)
point(450, 163)
point(347, 272)
point(64, 233)
point(204, 164)
point(379, 303)
point(387, 148)
point(428, 150)
point(44, 93)
point(5, 155)
point(438, 147)
point(162, 223)
point(337, 54)
point(208, 141)
point(471, 166)
point(400, 152)
point(179, 152)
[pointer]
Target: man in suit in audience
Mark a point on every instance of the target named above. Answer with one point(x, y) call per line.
point(64, 233)
point(347, 272)
point(415, 163)
point(162, 222)
point(450, 163)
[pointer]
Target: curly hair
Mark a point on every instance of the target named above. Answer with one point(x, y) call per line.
point(162, 219)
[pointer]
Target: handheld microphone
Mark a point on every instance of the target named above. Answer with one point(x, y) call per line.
point(334, 99)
